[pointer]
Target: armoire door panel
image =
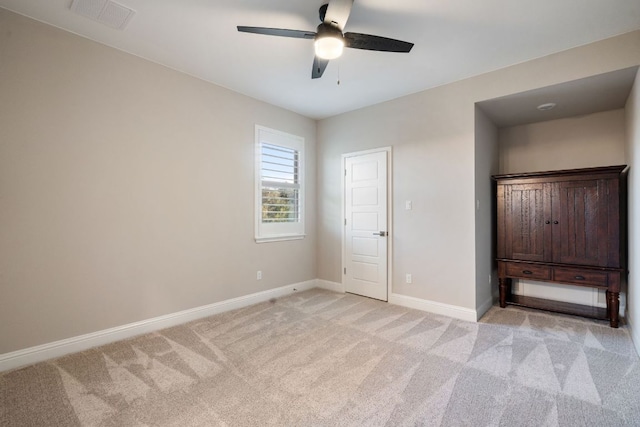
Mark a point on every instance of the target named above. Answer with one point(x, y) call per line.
point(580, 223)
point(525, 229)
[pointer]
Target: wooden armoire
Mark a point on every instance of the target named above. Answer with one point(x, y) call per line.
point(565, 227)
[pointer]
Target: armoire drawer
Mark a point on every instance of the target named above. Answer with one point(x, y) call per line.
point(580, 277)
point(528, 271)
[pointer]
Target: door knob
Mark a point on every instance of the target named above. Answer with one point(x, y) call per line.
point(382, 233)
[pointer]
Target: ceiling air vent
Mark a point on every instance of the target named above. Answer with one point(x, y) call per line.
point(106, 12)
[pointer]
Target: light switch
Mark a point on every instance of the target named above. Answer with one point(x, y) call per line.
point(408, 205)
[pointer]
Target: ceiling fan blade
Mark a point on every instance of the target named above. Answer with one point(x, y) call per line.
point(338, 12)
point(319, 65)
point(298, 34)
point(368, 42)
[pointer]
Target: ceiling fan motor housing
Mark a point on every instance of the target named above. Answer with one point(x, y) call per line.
point(328, 30)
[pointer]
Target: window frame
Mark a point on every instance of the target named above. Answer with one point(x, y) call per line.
point(273, 232)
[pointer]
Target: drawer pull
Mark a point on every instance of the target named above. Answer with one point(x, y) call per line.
point(527, 272)
point(579, 278)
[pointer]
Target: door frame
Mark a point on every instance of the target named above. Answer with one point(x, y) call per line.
point(390, 234)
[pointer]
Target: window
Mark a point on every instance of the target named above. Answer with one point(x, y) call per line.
point(279, 185)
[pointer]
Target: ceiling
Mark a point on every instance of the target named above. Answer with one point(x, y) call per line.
point(603, 92)
point(454, 39)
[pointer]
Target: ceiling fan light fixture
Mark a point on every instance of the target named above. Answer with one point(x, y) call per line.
point(329, 47)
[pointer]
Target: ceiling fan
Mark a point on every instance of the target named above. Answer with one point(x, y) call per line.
point(329, 40)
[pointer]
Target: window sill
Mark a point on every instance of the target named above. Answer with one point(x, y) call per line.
point(280, 238)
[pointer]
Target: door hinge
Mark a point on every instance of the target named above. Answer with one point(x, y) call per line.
point(345, 172)
point(345, 270)
point(345, 221)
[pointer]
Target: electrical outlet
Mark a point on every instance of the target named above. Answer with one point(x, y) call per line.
point(409, 279)
point(259, 275)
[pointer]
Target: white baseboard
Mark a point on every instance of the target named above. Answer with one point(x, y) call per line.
point(330, 286)
point(55, 349)
point(635, 334)
point(434, 307)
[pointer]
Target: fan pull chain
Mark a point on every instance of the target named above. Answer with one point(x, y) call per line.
point(338, 75)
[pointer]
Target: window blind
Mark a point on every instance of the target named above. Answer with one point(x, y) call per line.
point(280, 180)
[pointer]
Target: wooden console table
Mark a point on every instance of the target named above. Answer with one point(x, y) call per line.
point(565, 227)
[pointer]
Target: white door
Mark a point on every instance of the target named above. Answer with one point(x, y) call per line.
point(365, 237)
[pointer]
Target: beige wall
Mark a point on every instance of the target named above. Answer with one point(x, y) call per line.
point(432, 167)
point(633, 157)
point(578, 142)
point(126, 189)
point(433, 137)
point(486, 164)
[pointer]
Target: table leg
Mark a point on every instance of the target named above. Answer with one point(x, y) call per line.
point(614, 308)
point(504, 286)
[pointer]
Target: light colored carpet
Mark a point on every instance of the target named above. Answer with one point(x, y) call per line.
point(319, 358)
